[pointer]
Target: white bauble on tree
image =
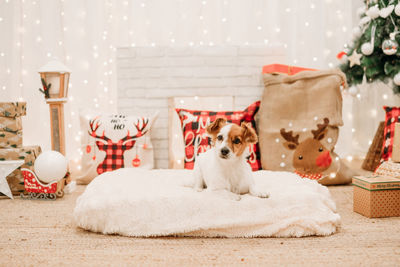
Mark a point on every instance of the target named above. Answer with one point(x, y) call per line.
point(373, 12)
point(51, 166)
point(397, 10)
point(389, 47)
point(367, 49)
point(396, 79)
point(386, 11)
point(353, 91)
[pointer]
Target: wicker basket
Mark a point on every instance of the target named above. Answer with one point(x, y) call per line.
point(373, 157)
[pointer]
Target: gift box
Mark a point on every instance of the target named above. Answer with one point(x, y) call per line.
point(29, 155)
point(396, 143)
point(290, 70)
point(10, 139)
point(12, 125)
point(12, 109)
point(376, 196)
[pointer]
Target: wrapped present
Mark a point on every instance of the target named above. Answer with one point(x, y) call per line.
point(376, 196)
point(11, 125)
point(388, 168)
point(279, 68)
point(396, 143)
point(12, 109)
point(29, 154)
point(10, 139)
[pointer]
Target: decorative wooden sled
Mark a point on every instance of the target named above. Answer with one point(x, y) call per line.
point(37, 190)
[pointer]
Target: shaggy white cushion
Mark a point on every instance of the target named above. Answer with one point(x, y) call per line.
point(134, 202)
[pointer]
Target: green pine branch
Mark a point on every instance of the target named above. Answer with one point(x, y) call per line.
point(46, 89)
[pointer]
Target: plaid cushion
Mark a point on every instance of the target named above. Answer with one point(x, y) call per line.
point(195, 122)
point(115, 141)
point(392, 116)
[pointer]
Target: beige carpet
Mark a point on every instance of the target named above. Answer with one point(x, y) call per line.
point(42, 233)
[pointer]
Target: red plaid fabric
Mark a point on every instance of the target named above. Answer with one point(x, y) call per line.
point(114, 158)
point(114, 155)
point(392, 116)
point(195, 122)
point(312, 176)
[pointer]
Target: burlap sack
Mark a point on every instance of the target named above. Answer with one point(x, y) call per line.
point(299, 103)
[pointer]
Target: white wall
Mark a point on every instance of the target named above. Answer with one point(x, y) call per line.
point(85, 34)
point(148, 76)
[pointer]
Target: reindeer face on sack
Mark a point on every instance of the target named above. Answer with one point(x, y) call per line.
point(310, 156)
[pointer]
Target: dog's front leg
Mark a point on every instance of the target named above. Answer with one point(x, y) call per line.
point(199, 184)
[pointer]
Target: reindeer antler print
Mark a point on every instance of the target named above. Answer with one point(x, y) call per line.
point(93, 129)
point(140, 131)
point(114, 158)
point(288, 136)
point(321, 131)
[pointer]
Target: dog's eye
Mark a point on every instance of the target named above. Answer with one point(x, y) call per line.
point(220, 138)
point(236, 141)
point(300, 157)
point(320, 149)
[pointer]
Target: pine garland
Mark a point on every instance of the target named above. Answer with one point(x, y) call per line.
point(46, 89)
point(378, 66)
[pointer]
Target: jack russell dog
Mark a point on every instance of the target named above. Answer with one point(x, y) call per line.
point(224, 167)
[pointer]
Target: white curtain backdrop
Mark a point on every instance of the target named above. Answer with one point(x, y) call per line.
point(84, 35)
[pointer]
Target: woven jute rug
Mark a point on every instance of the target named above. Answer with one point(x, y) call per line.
point(36, 233)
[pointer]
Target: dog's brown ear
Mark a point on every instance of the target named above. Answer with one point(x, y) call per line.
point(249, 135)
point(214, 127)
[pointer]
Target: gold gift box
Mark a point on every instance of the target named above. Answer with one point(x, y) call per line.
point(10, 139)
point(29, 155)
point(11, 125)
point(12, 109)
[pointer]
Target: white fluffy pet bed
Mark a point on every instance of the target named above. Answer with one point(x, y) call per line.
point(142, 203)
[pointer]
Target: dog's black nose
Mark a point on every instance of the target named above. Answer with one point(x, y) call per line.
point(224, 151)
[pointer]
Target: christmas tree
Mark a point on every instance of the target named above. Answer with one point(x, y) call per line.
point(374, 52)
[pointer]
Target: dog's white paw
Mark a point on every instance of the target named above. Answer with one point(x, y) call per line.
point(198, 189)
point(261, 194)
point(236, 197)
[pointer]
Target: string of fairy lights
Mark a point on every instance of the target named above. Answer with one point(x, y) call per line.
point(93, 61)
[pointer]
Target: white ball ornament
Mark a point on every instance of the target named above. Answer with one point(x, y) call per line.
point(367, 49)
point(51, 166)
point(373, 12)
point(396, 79)
point(389, 47)
point(353, 91)
point(397, 10)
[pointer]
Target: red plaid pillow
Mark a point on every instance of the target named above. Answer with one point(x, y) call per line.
point(392, 116)
point(195, 122)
